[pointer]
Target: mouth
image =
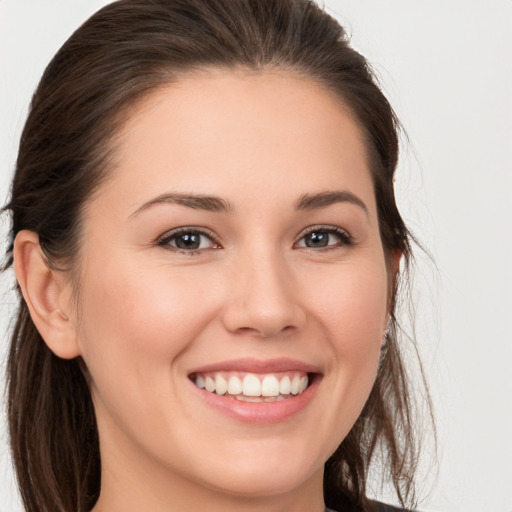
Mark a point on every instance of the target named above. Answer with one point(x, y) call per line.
point(253, 387)
point(257, 391)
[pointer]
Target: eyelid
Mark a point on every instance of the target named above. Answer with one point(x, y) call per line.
point(346, 237)
point(163, 240)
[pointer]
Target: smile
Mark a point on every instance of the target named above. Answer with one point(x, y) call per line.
point(255, 391)
point(253, 387)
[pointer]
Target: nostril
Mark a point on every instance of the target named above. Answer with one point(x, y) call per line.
point(266, 331)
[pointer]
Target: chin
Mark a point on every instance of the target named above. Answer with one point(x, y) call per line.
point(262, 482)
point(265, 472)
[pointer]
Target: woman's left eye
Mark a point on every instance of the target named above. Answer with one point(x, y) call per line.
point(324, 238)
point(188, 240)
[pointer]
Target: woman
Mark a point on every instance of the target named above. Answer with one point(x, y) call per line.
point(207, 247)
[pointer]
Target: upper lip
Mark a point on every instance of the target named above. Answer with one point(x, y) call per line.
point(251, 365)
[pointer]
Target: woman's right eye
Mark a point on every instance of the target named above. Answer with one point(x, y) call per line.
point(188, 240)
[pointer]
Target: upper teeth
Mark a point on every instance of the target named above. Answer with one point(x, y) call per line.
point(252, 385)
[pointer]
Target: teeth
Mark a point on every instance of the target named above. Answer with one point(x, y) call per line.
point(252, 387)
point(221, 386)
point(270, 386)
point(234, 385)
point(209, 384)
point(259, 399)
point(295, 385)
point(243, 398)
point(285, 385)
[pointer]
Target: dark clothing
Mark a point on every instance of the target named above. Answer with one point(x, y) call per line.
point(382, 507)
point(377, 507)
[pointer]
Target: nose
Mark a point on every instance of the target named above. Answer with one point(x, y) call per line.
point(262, 298)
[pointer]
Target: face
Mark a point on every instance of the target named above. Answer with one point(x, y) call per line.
point(232, 259)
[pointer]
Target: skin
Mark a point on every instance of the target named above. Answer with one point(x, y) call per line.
point(149, 313)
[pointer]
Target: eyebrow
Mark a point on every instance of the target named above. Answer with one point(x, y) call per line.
point(219, 205)
point(195, 201)
point(323, 199)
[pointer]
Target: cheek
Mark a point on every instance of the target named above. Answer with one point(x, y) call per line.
point(136, 326)
point(352, 304)
point(137, 323)
point(354, 313)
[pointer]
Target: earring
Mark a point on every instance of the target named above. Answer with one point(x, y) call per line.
point(385, 337)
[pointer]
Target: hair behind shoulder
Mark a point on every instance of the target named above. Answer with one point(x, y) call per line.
point(126, 50)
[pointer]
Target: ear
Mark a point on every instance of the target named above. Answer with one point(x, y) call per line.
point(394, 264)
point(47, 293)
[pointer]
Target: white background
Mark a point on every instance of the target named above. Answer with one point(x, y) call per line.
point(446, 66)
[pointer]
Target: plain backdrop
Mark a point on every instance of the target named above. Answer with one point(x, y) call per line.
point(446, 66)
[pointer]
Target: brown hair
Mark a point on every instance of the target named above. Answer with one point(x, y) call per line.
point(123, 52)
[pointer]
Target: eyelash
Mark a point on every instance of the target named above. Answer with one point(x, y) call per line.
point(165, 240)
point(345, 238)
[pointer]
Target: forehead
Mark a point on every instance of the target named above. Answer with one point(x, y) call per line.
point(267, 134)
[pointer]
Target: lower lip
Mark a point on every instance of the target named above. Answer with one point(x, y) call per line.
point(260, 412)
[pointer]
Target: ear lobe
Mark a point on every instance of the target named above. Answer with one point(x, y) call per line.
point(396, 256)
point(46, 293)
